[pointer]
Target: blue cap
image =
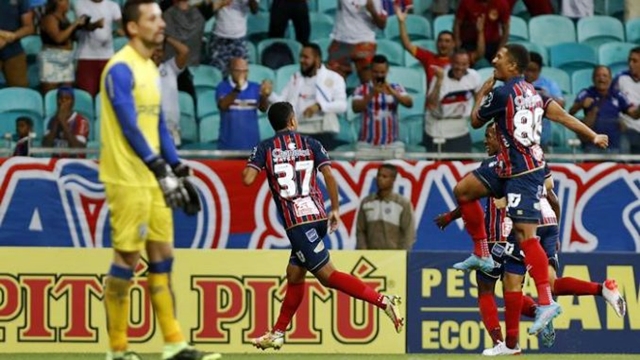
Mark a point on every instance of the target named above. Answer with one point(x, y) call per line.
point(66, 90)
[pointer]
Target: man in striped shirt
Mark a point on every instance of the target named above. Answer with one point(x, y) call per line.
point(292, 162)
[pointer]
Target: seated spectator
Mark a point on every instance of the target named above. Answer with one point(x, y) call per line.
point(56, 60)
point(603, 104)
point(239, 101)
point(450, 101)
point(228, 38)
point(546, 87)
point(354, 36)
point(378, 102)
point(24, 126)
point(318, 96)
point(16, 22)
point(170, 70)
point(67, 128)
point(631, 9)
point(385, 219)
point(497, 15)
point(628, 83)
point(295, 10)
point(185, 24)
point(95, 41)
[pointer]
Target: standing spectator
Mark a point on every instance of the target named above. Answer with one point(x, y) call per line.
point(536, 7)
point(56, 60)
point(24, 126)
point(577, 9)
point(354, 37)
point(628, 83)
point(440, 7)
point(497, 15)
point(95, 41)
point(603, 105)
point(631, 9)
point(378, 102)
point(16, 22)
point(544, 86)
point(295, 10)
point(228, 39)
point(170, 71)
point(239, 100)
point(318, 96)
point(450, 101)
point(385, 220)
point(67, 128)
point(186, 25)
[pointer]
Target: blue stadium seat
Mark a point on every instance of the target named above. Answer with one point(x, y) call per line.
point(417, 27)
point(96, 131)
point(536, 48)
point(615, 53)
point(313, 5)
point(573, 56)
point(442, 22)
point(411, 129)
point(119, 42)
point(209, 129)
point(477, 138)
point(321, 26)
point(427, 44)
point(209, 25)
point(519, 9)
point(324, 44)
point(258, 27)
point(252, 53)
point(598, 30)
point(205, 77)
point(188, 125)
point(32, 46)
point(633, 30)
point(518, 30)
point(618, 68)
point(264, 6)
point(581, 79)
point(559, 76)
point(283, 75)
point(416, 109)
point(293, 45)
point(327, 7)
point(15, 102)
point(412, 79)
point(548, 30)
point(422, 7)
point(392, 50)
point(347, 132)
point(485, 73)
point(207, 104)
point(411, 61)
point(258, 73)
point(83, 104)
point(33, 75)
point(264, 126)
point(613, 8)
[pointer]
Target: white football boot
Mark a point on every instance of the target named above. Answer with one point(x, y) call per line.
point(393, 311)
point(269, 340)
point(501, 350)
point(611, 294)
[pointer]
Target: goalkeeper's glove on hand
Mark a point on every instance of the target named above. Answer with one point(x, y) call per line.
point(193, 206)
point(175, 195)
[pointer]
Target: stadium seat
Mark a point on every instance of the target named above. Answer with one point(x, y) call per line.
point(441, 23)
point(205, 77)
point(536, 48)
point(559, 76)
point(615, 53)
point(518, 30)
point(485, 73)
point(83, 104)
point(32, 46)
point(633, 30)
point(293, 45)
point(209, 25)
point(264, 6)
point(207, 104)
point(411, 61)
point(392, 50)
point(477, 138)
point(258, 27)
point(411, 129)
point(252, 53)
point(283, 75)
point(417, 27)
point(264, 126)
point(548, 30)
point(258, 73)
point(412, 79)
point(519, 9)
point(321, 26)
point(188, 125)
point(598, 30)
point(33, 75)
point(613, 8)
point(209, 129)
point(347, 132)
point(572, 56)
point(618, 68)
point(324, 46)
point(327, 7)
point(422, 7)
point(416, 109)
point(581, 79)
point(313, 5)
point(96, 124)
point(119, 42)
point(15, 102)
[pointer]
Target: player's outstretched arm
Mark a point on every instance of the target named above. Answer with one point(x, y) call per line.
point(332, 189)
point(556, 113)
point(249, 175)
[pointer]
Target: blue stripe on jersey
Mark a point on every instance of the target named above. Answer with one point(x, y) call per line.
point(167, 146)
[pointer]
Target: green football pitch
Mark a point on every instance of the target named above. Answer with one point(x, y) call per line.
point(276, 356)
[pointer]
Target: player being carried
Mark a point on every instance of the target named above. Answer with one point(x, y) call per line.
point(518, 111)
point(291, 161)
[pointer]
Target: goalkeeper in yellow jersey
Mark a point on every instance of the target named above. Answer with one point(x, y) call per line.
point(143, 179)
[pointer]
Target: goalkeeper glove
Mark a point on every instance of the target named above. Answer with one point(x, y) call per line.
point(193, 206)
point(175, 195)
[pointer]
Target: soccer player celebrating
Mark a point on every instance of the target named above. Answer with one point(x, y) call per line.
point(292, 161)
point(517, 110)
point(142, 175)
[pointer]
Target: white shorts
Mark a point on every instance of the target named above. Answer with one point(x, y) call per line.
point(56, 66)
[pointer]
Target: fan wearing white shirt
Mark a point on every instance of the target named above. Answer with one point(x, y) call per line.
point(628, 83)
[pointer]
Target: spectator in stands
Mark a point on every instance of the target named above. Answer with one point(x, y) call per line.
point(170, 71)
point(56, 61)
point(628, 83)
point(378, 102)
point(185, 24)
point(318, 96)
point(440, 7)
point(497, 15)
point(631, 9)
point(354, 37)
point(239, 101)
point(16, 22)
point(450, 100)
point(24, 126)
point(602, 105)
point(228, 39)
point(67, 128)
point(295, 10)
point(545, 86)
point(385, 219)
point(535, 7)
point(95, 41)
point(577, 9)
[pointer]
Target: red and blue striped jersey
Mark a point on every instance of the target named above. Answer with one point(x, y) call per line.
point(496, 222)
point(380, 119)
point(292, 162)
point(518, 110)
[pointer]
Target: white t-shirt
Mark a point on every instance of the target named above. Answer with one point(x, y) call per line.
point(307, 97)
point(97, 44)
point(231, 20)
point(169, 72)
point(353, 23)
point(631, 89)
point(450, 119)
point(577, 8)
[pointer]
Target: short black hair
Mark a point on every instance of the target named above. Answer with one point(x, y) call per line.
point(635, 50)
point(379, 59)
point(444, 32)
point(279, 115)
point(393, 168)
point(26, 120)
point(595, 69)
point(520, 55)
point(534, 57)
point(131, 12)
point(316, 49)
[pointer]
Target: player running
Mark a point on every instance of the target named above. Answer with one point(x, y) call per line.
point(136, 148)
point(517, 110)
point(291, 161)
